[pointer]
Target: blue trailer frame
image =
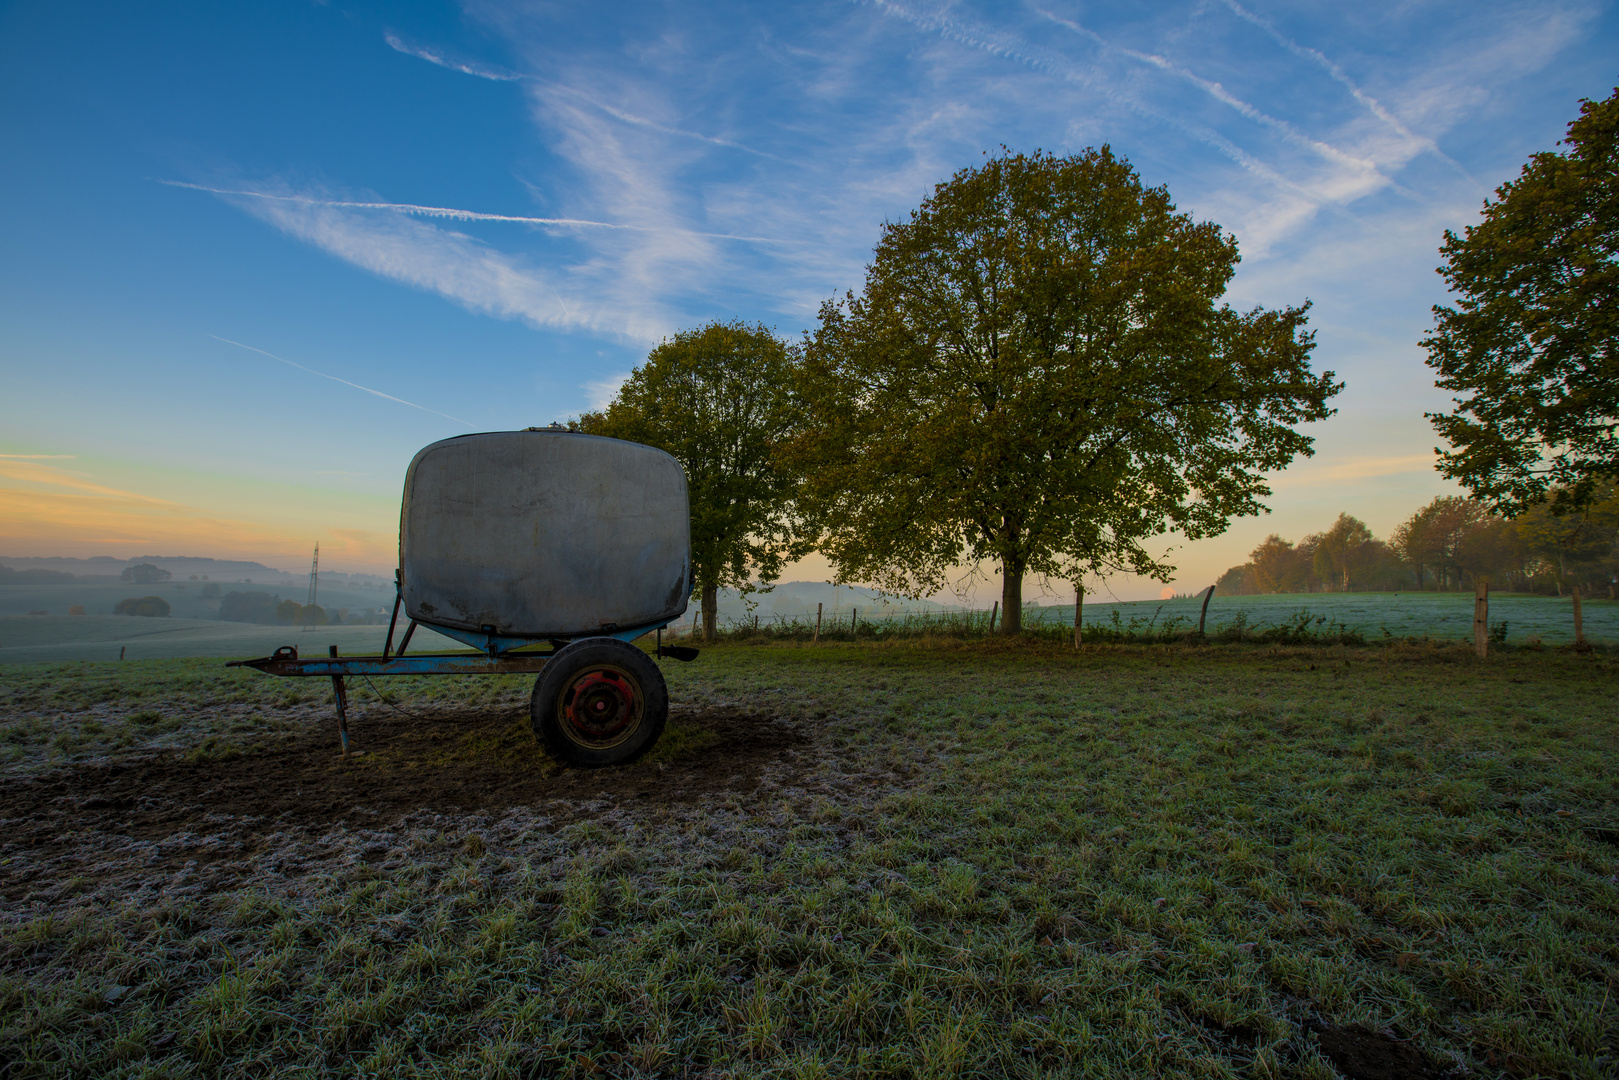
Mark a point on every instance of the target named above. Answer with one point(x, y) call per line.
point(500, 656)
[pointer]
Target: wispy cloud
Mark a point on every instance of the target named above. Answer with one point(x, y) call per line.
point(601, 392)
point(433, 56)
point(334, 378)
point(1338, 75)
point(1016, 50)
point(454, 214)
point(1365, 167)
point(473, 274)
point(55, 477)
point(654, 125)
point(1351, 470)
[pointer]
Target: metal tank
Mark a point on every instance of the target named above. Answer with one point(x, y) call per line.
point(544, 534)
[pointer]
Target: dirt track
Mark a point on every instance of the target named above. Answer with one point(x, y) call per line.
point(188, 822)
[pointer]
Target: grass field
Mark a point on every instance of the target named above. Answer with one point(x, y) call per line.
point(54, 638)
point(1374, 617)
point(1522, 618)
point(909, 859)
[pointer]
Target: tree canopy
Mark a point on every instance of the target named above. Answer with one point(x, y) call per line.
point(1038, 372)
point(718, 399)
point(1531, 342)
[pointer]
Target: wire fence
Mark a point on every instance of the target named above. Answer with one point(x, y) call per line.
point(1045, 623)
point(1513, 620)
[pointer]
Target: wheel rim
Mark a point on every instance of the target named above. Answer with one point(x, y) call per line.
point(600, 707)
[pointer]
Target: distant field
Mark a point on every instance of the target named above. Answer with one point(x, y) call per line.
point(1408, 614)
point(54, 638)
point(1434, 616)
point(184, 597)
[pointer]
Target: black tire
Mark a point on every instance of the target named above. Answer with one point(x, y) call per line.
point(599, 701)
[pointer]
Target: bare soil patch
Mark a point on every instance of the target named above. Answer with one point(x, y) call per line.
point(218, 807)
point(1369, 1055)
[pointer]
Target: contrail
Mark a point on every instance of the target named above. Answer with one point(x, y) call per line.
point(435, 58)
point(1224, 96)
point(334, 378)
point(1019, 54)
point(454, 214)
point(478, 71)
point(1341, 77)
point(641, 121)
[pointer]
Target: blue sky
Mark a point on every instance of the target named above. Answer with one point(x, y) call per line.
point(258, 254)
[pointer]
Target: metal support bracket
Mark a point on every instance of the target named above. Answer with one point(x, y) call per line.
point(341, 694)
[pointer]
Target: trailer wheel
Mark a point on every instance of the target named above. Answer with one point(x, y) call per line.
point(599, 701)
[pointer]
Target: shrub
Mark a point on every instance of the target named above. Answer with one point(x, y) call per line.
point(254, 607)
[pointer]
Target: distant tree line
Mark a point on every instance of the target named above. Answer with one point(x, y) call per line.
point(262, 607)
point(1447, 545)
point(13, 577)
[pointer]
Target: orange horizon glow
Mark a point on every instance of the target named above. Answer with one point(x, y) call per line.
point(46, 511)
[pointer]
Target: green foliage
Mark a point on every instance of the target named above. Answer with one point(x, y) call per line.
point(1533, 342)
point(718, 399)
point(291, 611)
point(151, 606)
point(1038, 372)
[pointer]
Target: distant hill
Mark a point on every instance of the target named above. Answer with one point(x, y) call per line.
point(182, 567)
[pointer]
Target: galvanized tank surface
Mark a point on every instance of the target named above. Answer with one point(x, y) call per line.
point(545, 534)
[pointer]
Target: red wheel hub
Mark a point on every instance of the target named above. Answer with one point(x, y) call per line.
point(600, 705)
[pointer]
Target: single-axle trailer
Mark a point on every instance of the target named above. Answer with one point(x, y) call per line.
point(516, 541)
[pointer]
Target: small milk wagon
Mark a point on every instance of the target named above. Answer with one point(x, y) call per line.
point(546, 551)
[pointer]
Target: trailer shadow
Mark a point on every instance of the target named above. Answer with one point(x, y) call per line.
point(454, 762)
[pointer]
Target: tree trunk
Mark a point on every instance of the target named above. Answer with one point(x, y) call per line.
point(1011, 600)
point(711, 610)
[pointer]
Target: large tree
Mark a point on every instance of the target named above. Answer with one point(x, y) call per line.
point(718, 399)
point(1531, 342)
point(1441, 537)
point(1346, 554)
point(1039, 372)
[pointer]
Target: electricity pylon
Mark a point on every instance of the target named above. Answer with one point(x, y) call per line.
point(314, 575)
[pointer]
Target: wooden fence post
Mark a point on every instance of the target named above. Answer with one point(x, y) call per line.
point(854, 620)
point(1579, 619)
point(1079, 606)
point(994, 611)
point(817, 623)
point(1481, 616)
point(1204, 614)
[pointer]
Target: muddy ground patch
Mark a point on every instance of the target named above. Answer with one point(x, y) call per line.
point(218, 814)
